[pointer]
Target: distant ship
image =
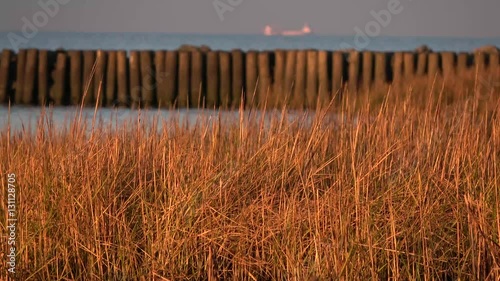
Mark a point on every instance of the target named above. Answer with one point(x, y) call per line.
point(268, 31)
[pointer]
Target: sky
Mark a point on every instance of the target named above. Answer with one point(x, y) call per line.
point(454, 18)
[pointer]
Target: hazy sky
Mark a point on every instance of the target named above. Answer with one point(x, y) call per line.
point(459, 18)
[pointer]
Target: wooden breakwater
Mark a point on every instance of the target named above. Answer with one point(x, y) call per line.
point(199, 77)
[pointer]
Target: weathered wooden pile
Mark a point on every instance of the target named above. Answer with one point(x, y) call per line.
point(199, 77)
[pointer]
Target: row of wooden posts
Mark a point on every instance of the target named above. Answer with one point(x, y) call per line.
point(204, 78)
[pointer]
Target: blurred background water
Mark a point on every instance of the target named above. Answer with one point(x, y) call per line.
point(162, 41)
point(29, 118)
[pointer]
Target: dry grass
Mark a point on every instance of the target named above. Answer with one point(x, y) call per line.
point(406, 188)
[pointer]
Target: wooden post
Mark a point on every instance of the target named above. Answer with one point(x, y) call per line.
point(75, 60)
point(4, 75)
point(237, 96)
point(397, 68)
point(99, 81)
point(367, 70)
point(111, 79)
point(122, 78)
point(289, 84)
point(409, 65)
point(323, 78)
point(160, 77)
point(462, 64)
point(251, 79)
point(147, 74)
point(21, 64)
point(494, 67)
point(279, 79)
point(171, 63)
point(433, 64)
point(43, 89)
point(196, 97)
point(300, 80)
point(354, 66)
point(380, 69)
point(312, 79)
point(59, 79)
point(448, 64)
point(264, 88)
point(88, 77)
point(183, 92)
point(135, 80)
point(225, 79)
point(30, 76)
point(338, 63)
point(212, 79)
point(422, 64)
point(480, 62)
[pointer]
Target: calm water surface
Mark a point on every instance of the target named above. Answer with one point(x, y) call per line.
point(28, 118)
point(161, 41)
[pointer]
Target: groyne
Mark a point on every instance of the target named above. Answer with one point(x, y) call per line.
point(198, 77)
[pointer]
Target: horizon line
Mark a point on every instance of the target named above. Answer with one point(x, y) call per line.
point(319, 34)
